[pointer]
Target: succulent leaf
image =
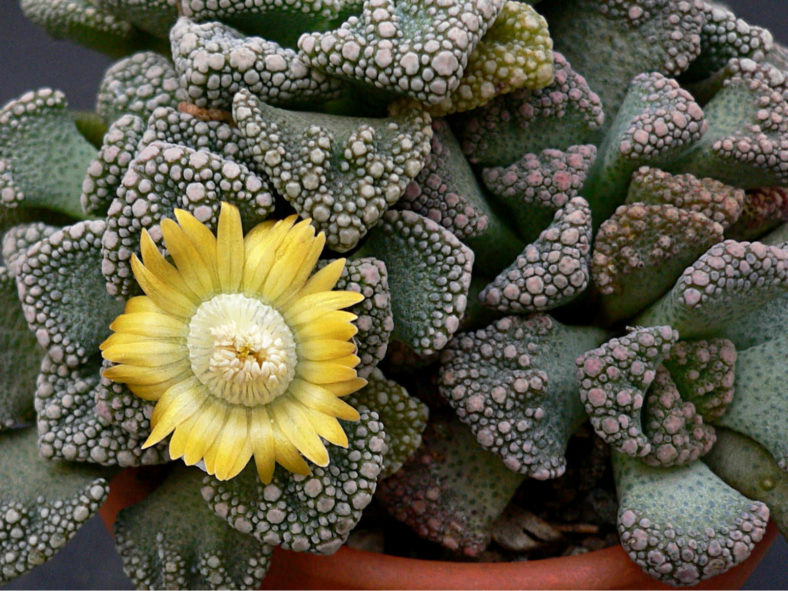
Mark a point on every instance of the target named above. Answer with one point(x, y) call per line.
point(342, 172)
point(760, 404)
point(704, 374)
point(419, 48)
point(153, 16)
point(447, 192)
point(535, 187)
point(516, 52)
point(452, 490)
point(764, 209)
point(70, 428)
point(750, 469)
point(404, 417)
point(660, 36)
point(728, 284)
point(62, 292)
point(656, 122)
point(83, 22)
point(512, 383)
point(552, 271)
point(42, 154)
point(137, 85)
point(674, 428)
point(43, 504)
point(745, 144)
point(429, 273)
point(214, 61)
point(164, 177)
point(312, 513)
point(107, 169)
point(614, 380)
point(717, 201)
point(563, 114)
point(375, 322)
point(642, 249)
point(18, 239)
point(190, 548)
point(682, 525)
point(116, 404)
point(19, 357)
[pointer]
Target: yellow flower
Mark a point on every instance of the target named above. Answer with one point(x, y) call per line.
point(243, 351)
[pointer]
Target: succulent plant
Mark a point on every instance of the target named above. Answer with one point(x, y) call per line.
point(502, 248)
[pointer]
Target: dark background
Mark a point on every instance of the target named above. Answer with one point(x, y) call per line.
point(30, 59)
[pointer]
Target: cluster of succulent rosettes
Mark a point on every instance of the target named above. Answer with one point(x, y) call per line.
point(582, 240)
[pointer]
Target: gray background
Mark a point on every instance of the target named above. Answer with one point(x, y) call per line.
point(30, 59)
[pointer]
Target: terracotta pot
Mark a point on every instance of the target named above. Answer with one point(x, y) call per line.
point(610, 568)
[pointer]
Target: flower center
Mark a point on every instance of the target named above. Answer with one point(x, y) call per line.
point(241, 349)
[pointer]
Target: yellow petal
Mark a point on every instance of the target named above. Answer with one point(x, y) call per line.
point(324, 349)
point(295, 260)
point(151, 324)
point(261, 435)
point(322, 400)
point(325, 279)
point(176, 405)
point(313, 306)
point(232, 445)
point(287, 454)
point(326, 426)
point(202, 239)
point(194, 271)
point(230, 248)
point(164, 296)
point(124, 374)
point(142, 304)
point(126, 338)
point(152, 392)
point(158, 265)
point(205, 427)
point(295, 426)
point(324, 372)
point(152, 353)
point(334, 325)
point(180, 437)
point(262, 244)
point(346, 387)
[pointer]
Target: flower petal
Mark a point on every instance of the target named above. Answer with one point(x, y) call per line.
point(262, 245)
point(325, 426)
point(230, 248)
point(261, 435)
point(325, 279)
point(324, 372)
point(163, 295)
point(202, 239)
point(325, 349)
point(205, 427)
point(232, 447)
point(296, 427)
point(195, 272)
point(287, 454)
point(333, 325)
point(346, 387)
point(142, 304)
point(150, 353)
point(295, 260)
point(176, 405)
point(312, 307)
point(158, 265)
point(322, 400)
point(151, 324)
point(146, 376)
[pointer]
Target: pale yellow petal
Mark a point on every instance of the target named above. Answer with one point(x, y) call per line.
point(295, 426)
point(205, 428)
point(194, 271)
point(320, 399)
point(295, 260)
point(151, 324)
point(202, 239)
point(324, 372)
point(176, 405)
point(233, 450)
point(325, 349)
point(346, 387)
point(261, 435)
point(158, 265)
point(230, 248)
point(262, 244)
point(164, 296)
point(312, 307)
point(326, 426)
point(180, 436)
point(152, 392)
point(325, 279)
point(127, 338)
point(287, 454)
point(151, 353)
point(142, 304)
point(123, 374)
point(334, 325)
